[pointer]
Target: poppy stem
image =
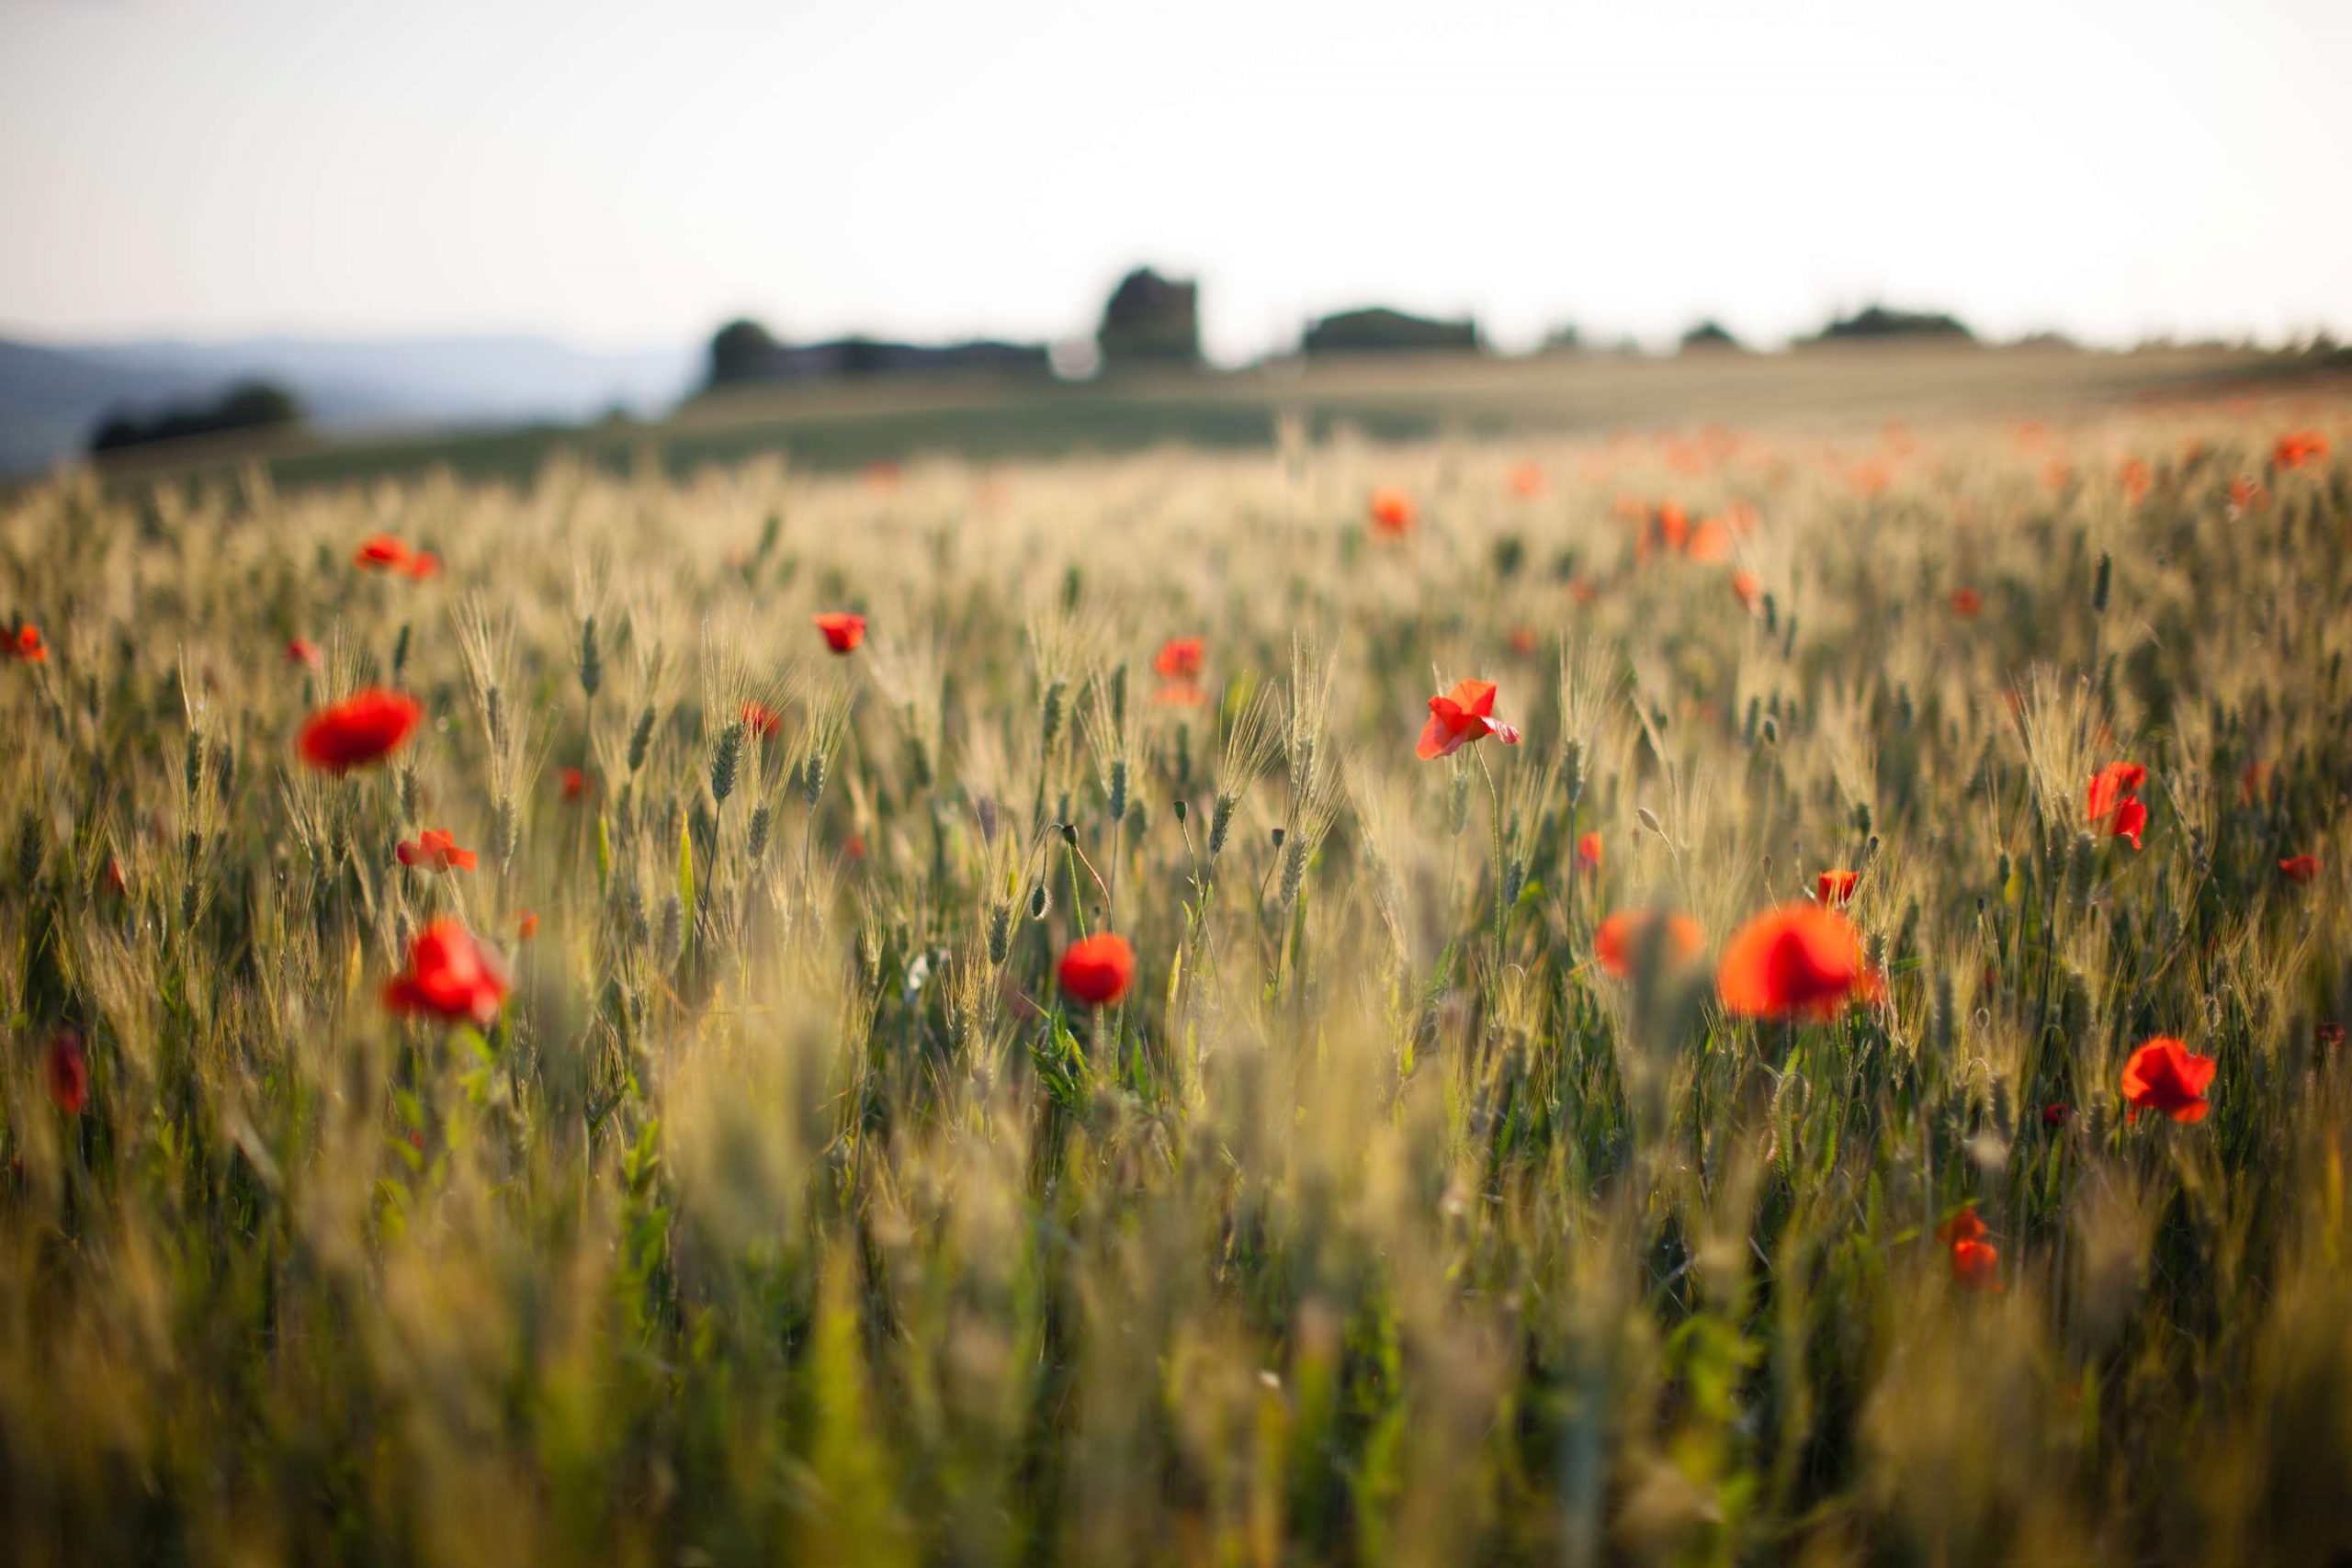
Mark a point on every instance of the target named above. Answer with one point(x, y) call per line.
point(1502, 890)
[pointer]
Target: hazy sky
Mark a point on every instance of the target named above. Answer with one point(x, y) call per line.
point(630, 174)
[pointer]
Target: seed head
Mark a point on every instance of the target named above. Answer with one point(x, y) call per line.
point(591, 662)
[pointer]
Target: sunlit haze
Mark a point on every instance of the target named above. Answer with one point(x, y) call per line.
point(633, 175)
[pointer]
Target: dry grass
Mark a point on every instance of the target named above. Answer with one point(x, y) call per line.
point(787, 1211)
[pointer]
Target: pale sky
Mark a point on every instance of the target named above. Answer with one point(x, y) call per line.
point(631, 173)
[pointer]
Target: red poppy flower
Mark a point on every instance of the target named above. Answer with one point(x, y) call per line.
point(367, 726)
point(855, 846)
point(762, 720)
point(1393, 512)
point(27, 645)
point(1522, 640)
point(2057, 1114)
point(1180, 694)
point(1097, 970)
point(2134, 475)
point(2249, 493)
point(1746, 587)
point(526, 925)
point(1799, 960)
point(2111, 786)
point(1588, 852)
point(1180, 659)
point(2299, 868)
point(2330, 1035)
point(842, 630)
point(1618, 941)
point(1965, 1225)
point(381, 552)
point(1672, 522)
point(449, 976)
point(574, 783)
point(1976, 1265)
point(435, 850)
point(2113, 799)
point(68, 1072)
point(303, 651)
point(2163, 1074)
point(1836, 887)
point(2057, 474)
point(2302, 446)
point(1966, 603)
point(1464, 715)
point(422, 565)
point(1529, 481)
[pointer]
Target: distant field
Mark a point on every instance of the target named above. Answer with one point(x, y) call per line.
point(1394, 400)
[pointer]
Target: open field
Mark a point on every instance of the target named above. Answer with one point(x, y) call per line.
point(772, 1184)
point(845, 425)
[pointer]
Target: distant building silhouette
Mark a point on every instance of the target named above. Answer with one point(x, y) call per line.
point(1379, 330)
point(1151, 320)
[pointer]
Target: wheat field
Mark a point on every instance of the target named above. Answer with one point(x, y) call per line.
point(713, 1150)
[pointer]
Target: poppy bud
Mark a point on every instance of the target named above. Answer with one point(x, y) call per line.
point(1181, 808)
point(1041, 902)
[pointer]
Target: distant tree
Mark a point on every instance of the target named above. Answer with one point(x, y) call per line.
point(248, 405)
point(1151, 320)
point(1879, 322)
point(1379, 330)
point(1708, 334)
point(1566, 338)
point(861, 356)
point(742, 350)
